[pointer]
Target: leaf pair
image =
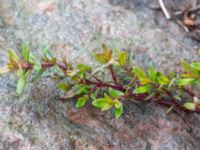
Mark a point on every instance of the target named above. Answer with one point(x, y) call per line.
point(13, 64)
point(191, 71)
point(64, 86)
point(152, 77)
point(107, 103)
point(82, 70)
point(48, 56)
point(105, 56)
point(157, 77)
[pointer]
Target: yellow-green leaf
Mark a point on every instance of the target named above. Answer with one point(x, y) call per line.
point(106, 107)
point(81, 102)
point(108, 98)
point(152, 73)
point(170, 109)
point(163, 80)
point(117, 104)
point(122, 58)
point(190, 106)
point(196, 65)
point(139, 73)
point(145, 81)
point(100, 58)
point(115, 93)
point(25, 51)
point(99, 103)
point(14, 61)
point(118, 111)
point(188, 75)
point(142, 89)
point(22, 76)
point(186, 66)
point(4, 69)
point(185, 81)
point(64, 86)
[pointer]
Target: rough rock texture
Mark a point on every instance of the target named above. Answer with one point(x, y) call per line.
point(38, 120)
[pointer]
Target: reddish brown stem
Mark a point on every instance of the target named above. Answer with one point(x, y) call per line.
point(26, 66)
point(113, 74)
point(102, 84)
point(44, 65)
point(47, 65)
point(189, 92)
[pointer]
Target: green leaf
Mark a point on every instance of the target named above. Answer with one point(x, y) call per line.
point(186, 66)
point(118, 111)
point(84, 68)
point(162, 79)
point(105, 56)
point(47, 55)
point(22, 75)
point(81, 102)
point(38, 75)
point(172, 74)
point(171, 83)
point(190, 106)
point(170, 109)
point(196, 65)
point(122, 58)
point(152, 73)
point(145, 81)
point(139, 73)
point(186, 81)
point(99, 103)
point(37, 66)
point(93, 96)
point(12, 55)
point(14, 60)
point(106, 107)
point(117, 104)
point(64, 86)
point(108, 98)
point(142, 89)
point(115, 93)
point(25, 51)
point(81, 89)
point(130, 58)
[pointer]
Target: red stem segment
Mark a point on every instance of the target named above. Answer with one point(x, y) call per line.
point(44, 65)
point(113, 74)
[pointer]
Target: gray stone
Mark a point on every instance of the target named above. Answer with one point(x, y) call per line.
point(38, 120)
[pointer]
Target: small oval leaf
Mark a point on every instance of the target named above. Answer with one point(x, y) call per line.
point(142, 89)
point(81, 102)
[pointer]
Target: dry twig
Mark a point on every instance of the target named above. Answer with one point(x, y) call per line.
point(164, 9)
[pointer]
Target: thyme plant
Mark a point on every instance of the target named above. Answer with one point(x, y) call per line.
point(113, 80)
